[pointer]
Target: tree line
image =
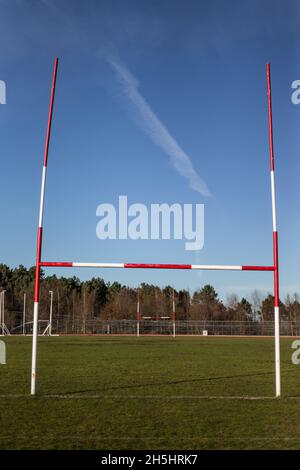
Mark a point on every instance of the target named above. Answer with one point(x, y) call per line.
point(97, 299)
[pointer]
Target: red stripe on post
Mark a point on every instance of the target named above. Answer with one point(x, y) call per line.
point(270, 119)
point(157, 266)
point(258, 268)
point(50, 112)
point(56, 264)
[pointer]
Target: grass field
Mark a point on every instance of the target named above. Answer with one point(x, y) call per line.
point(149, 393)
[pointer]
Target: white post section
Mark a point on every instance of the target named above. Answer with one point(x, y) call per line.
point(51, 306)
point(3, 328)
point(42, 196)
point(34, 345)
point(24, 313)
point(273, 196)
point(173, 315)
point(277, 351)
point(3, 312)
point(138, 314)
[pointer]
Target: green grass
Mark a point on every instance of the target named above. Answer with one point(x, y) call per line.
point(148, 393)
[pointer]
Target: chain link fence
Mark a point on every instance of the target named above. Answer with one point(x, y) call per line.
point(76, 326)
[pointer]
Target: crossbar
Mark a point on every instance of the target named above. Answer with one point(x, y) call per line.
point(204, 267)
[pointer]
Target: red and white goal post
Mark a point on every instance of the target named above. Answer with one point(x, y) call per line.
point(140, 318)
point(40, 263)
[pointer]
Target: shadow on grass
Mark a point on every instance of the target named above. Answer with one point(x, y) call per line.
point(169, 382)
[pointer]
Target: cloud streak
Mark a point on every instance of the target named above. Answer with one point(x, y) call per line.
point(155, 129)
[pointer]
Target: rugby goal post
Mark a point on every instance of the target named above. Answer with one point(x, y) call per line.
point(4, 331)
point(56, 264)
point(139, 318)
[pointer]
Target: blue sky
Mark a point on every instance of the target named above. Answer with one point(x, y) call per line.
point(200, 68)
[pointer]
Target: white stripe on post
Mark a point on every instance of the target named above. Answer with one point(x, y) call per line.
point(277, 351)
point(273, 201)
point(42, 196)
point(138, 313)
point(24, 312)
point(216, 267)
point(34, 345)
point(98, 265)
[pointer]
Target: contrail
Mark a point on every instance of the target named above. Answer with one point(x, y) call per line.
point(155, 129)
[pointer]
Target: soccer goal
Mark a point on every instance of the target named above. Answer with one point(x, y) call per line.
point(26, 329)
point(39, 263)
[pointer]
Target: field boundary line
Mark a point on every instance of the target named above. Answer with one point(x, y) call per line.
point(159, 438)
point(162, 335)
point(136, 397)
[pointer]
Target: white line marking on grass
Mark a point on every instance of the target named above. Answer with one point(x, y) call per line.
point(14, 395)
point(156, 438)
point(136, 397)
point(155, 397)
